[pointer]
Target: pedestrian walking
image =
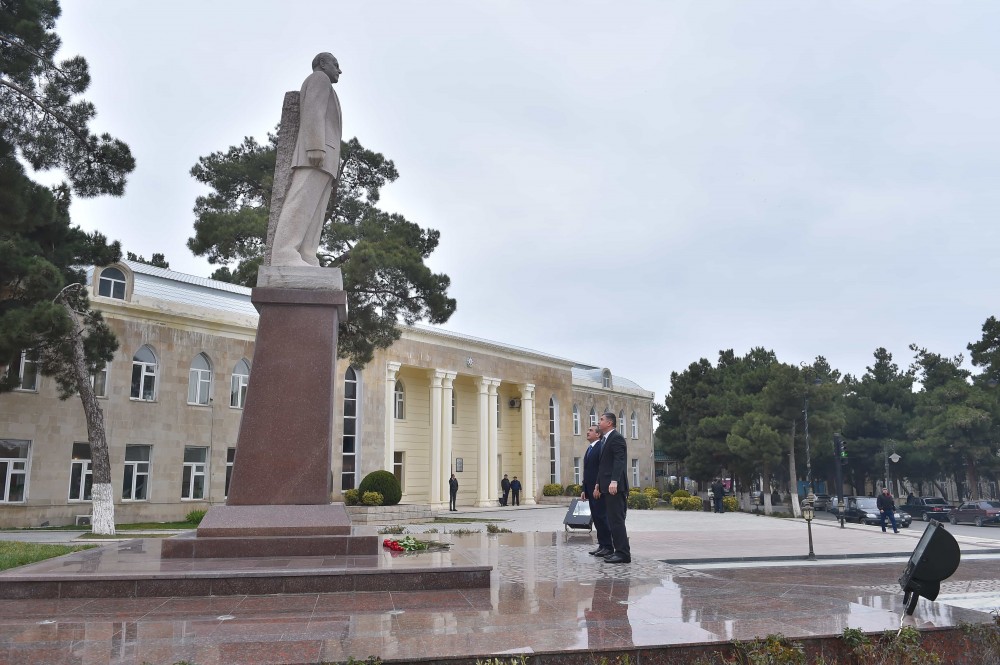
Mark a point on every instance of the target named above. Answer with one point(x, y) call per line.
point(887, 508)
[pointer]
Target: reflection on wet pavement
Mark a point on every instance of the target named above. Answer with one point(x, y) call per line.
point(547, 595)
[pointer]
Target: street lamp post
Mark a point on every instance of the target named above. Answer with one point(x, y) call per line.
point(808, 512)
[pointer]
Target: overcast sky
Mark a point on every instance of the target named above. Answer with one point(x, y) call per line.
point(626, 184)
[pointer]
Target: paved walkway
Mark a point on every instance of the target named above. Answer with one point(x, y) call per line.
point(547, 596)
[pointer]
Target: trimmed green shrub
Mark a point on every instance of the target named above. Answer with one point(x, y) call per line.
point(574, 490)
point(195, 516)
point(372, 499)
point(730, 503)
point(680, 493)
point(653, 494)
point(552, 489)
point(666, 495)
point(352, 497)
point(385, 484)
point(686, 502)
point(639, 501)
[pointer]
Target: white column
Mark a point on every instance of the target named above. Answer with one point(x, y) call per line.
point(434, 495)
point(484, 443)
point(528, 443)
point(494, 470)
point(391, 369)
point(447, 392)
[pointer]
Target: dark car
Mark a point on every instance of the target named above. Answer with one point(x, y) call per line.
point(864, 510)
point(979, 513)
point(928, 508)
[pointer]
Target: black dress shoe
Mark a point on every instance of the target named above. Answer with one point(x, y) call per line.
point(602, 552)
point(617, 558)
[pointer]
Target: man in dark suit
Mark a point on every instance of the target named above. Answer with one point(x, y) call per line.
point(591, 462)
point(612, 485)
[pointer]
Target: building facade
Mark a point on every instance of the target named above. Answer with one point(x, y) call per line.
point(434, 403)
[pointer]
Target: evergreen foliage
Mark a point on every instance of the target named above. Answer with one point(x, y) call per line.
point(44, 309)
point(385, 484)
point(380, 254)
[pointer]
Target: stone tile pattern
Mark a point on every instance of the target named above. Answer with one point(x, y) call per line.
point(547, 597)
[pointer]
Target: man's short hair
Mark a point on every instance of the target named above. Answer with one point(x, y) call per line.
point(611, 418)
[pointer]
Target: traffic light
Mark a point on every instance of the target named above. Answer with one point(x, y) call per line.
point(840, 448)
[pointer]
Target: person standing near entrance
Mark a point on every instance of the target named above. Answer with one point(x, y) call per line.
point(453, 492)
point(515, 491)
point(612, 485)
point(886, 508)
point(505, 487)
point(591, 462)
point(718, 491)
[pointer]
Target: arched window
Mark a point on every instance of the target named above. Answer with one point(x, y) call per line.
point(593, 417)
point(606, 378)
point(144, 373)
point(399, 401)
point(621, 422)
point(635, 426)
point(349, 468)
point(111, 284)
point(200, 380)
point(238, 389)
point(576, 420)
point(553, 441)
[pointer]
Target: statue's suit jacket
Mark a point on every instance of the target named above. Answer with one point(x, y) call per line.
point(320, 123)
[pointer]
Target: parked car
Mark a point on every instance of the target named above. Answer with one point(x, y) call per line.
point(864, 510)
point(928, 508)
point(979, 513)
point(822, 502)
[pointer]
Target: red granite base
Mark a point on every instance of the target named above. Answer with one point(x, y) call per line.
point(189, 546)
point(231, 532)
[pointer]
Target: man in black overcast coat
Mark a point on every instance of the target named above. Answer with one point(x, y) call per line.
point(612, 484)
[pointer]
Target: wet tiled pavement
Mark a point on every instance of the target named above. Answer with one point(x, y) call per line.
point(546, 595)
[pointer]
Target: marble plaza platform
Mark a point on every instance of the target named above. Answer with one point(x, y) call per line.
point(546, 597)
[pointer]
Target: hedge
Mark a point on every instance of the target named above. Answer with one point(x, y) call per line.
point(552, 489)
point(686, 502)
point(385, 484)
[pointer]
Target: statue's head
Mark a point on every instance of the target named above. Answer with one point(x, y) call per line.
point(326, 63)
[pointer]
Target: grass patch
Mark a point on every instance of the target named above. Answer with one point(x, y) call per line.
point(14, 554)
point(461, 520)
point(138, 526)
point(120, 536)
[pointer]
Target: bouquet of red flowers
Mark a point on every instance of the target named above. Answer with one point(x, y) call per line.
point(411, 544)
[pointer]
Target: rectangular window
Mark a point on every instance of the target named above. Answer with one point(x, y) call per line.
point(499, 402)
point(238, 396)
point(349, 456)
point(99, 382)
point(576, 470)
point(399, 402)
point(635, 473)
point(13, 470)
point(230, 459)
point(27, 371)
point(199, 386)
point(193, 476)
point(143, 381)
point(398, 461)
point(454, 408)
point(135, 486)
point(80, 479)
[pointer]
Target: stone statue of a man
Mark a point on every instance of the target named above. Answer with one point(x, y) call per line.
point(314, 168)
